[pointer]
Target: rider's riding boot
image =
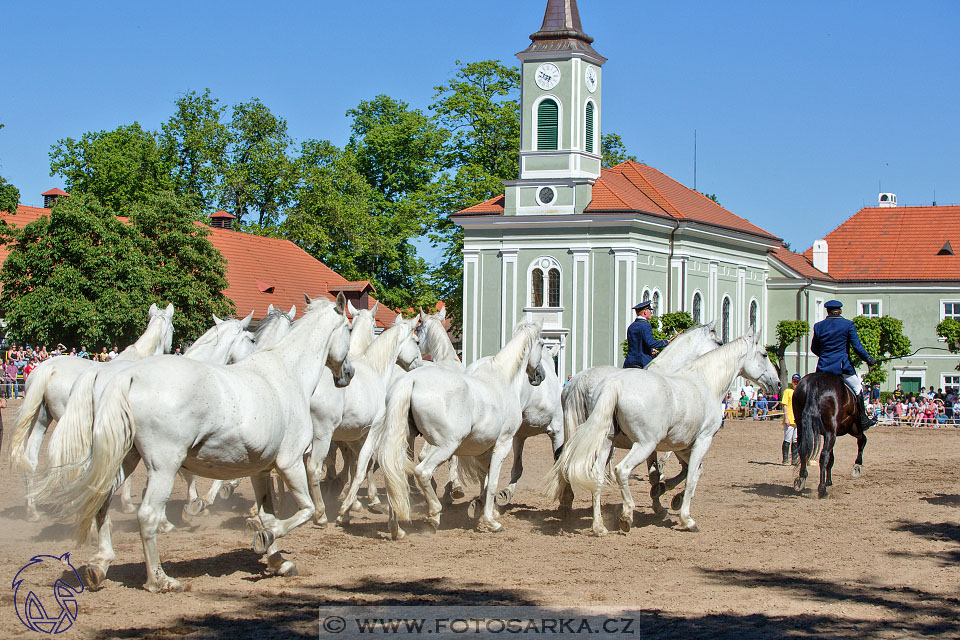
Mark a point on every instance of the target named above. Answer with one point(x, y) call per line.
point(794, 452)
point(863, 419)
point(786, 452)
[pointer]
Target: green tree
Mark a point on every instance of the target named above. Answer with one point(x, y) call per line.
point(789, 332)
point(9, 195)
point(614, 151)
point(949, 328)
point(666, 327)
point(118, 167)
point(883, 339)
point(77, 277)
point(194, 144)
point(259, 174)
point(183, 267)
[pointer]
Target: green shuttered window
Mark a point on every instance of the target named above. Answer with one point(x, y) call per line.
point(589, 138)
point(548, 126)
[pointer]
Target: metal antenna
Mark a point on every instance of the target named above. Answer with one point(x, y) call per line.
point(694, 159)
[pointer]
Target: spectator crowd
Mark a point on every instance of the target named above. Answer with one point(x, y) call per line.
point(20, 360)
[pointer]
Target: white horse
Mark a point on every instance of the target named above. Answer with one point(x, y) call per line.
point(217, 345)
point(674, 412)
point(48, 389)
point(217, 421)
point(682, 350)
point(474, 414)
point(345, 416)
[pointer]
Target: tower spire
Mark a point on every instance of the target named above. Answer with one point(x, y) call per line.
point(561, 31)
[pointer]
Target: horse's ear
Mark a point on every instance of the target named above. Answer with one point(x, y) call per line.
point(422, 314)
point(376, 305)
point(216, 320)
point(352, 309)
point(442, 315)
point(712, 325)
point(154, 310)
point(553, 350)
point(269, 309)
point(750, 334)
point(292, 313)
point(168, 311)
point(397, 320)
point(307, 298)
point(341, 303)
point(246, 321)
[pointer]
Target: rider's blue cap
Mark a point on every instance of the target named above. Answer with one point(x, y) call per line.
point(833, 304)
point(640, 306)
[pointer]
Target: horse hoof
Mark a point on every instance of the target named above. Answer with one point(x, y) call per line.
point(693, 527)
point(252, 525)
point(166, 585)
point(657, 490)
point(503, 498)
point(473, 508)
point(33, 516)
point(128, 507)
point(822, 492)
point(624, 524)
point(286, 570)
point(194, 507)
point(433, 525)
point(166, 526)
point(676, 502)
point(798, 484)
point(94, 577)
point(397, 534)
point(857, 470)
point(320, 520)
point(599, 531)
point(659, 511)
point(564, 512)
point(457, 493)
point(375, 507)
point(491, 527)
point(262, 540)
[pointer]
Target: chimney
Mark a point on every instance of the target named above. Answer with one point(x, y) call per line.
point(222, 220)
point(820, 255)
point(887, 200)
point(51, 196)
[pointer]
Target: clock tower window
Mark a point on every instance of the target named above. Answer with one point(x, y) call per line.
point(548, 125)
point(589, 132)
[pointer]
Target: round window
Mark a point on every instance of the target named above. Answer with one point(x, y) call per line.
point(546, 195)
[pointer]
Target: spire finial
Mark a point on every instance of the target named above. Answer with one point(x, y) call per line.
point(561, 30)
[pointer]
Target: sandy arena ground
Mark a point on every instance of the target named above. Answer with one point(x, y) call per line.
point(878, 558)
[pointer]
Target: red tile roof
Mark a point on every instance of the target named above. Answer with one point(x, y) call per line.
point(222, 214)
point(799, 263)
point(55, 192)
point(260, 271)
point(632, 186)
point(358, 286)
point(895, 243)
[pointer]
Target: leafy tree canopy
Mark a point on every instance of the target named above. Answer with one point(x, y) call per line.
point(614, 151)
point(882, 338)
point(9, 195)
point(788, 333)
point(949, 328)
point(83, 276)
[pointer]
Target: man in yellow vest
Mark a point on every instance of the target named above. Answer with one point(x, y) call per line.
point(790, 424)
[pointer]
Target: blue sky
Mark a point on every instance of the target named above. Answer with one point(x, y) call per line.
point(803, 111)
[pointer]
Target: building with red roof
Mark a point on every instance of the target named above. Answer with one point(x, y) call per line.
point(260, 271)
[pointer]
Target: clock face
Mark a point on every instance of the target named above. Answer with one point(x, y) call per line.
point(591, 79)
point(548, 75)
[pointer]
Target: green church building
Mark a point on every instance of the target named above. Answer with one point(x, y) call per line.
point(578, 245)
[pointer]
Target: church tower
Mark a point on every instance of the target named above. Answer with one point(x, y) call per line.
point(560, 85)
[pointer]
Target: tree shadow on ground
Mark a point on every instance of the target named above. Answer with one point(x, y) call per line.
point(944, 499)
point(133, 574)
point(767, 489)
point(939, 531)
point(297, 614)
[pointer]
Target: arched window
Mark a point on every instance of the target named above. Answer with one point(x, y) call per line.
point(656, 303)
point(725, 321)
point(554, 277)
point(646, 295)
point(753, 314)
point(697, 303)
point(548, 124)
point(545, 277)
point(589, 132)
point(536, 288)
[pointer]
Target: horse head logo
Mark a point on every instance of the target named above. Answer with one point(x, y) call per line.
point(29, 580)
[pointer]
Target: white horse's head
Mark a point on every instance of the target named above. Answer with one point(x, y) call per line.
point(687, 347)
point(274, 327)
point(534, 359)
point(164, 321)
point(227, 341)
point(757, 365)
point(338, 344)
point(409, 355)
point(364, 327)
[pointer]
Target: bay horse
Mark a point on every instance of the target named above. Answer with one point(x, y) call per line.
point(826, 407)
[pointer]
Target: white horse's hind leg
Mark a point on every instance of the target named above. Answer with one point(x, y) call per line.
point(454, 490)
point(605, 453)
point(265, 541)
point(424, 475)
point(37, 431)
point(694, 471)
point(314, 471)
point(504, 497)
point(159, 486)
point(126, 500)
point(95, 571)
point(637, 454)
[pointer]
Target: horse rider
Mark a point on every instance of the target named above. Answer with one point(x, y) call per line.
point(640, 340)
point(790, 423)
point(832, 338)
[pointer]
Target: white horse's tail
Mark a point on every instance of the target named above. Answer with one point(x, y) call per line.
point(574, 401)
point(582, 463)
point(71, 439)
point(36, 389)
point(391, 447)
point(473, 469)
point(83, 482)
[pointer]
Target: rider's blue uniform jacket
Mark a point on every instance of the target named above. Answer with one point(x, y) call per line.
point(640, 344)
point(831, 338)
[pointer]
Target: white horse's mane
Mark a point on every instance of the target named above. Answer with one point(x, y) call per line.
point(273, 315)
point(513, 354)
point(436, 342)
point(146, 344)
point(723, 358)
point(210, 337)
point(378, 354)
